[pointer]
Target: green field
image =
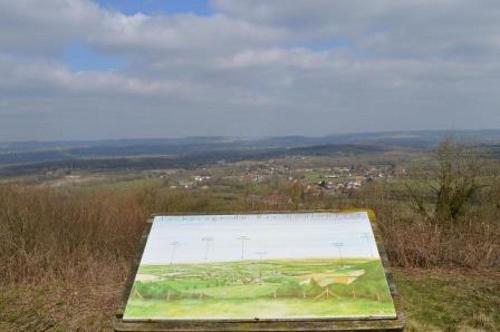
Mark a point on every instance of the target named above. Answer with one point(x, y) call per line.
point(264, 289)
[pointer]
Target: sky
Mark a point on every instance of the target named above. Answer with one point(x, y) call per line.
point(110, 69)
point(184, 239)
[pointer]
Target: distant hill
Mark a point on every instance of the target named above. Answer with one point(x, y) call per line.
point(29, 156)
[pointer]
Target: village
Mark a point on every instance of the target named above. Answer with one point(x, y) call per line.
point(314, 179)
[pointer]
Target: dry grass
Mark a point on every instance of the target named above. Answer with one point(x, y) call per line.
point(60, 306)
point(413, 241)
point(416, 243)
point(442, 300)
point(55, 235)
point(65, 252)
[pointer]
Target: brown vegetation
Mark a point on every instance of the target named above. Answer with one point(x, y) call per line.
point(454, 221)
point(71, 248)
point(67, 253)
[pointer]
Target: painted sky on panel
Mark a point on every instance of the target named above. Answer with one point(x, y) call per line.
point(183, 239)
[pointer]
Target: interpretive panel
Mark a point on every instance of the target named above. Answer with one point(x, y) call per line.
point(284, 266)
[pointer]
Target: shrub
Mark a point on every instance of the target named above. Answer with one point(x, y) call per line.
point(289, 288)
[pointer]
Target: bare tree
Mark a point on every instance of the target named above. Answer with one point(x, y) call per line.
point(207, 240)
point(174, 245)
point(452, 185)
point(339, 246)
point(261, 255)
point(296, 193)
point(243, 238)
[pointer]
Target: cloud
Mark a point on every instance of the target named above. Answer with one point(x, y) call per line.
point(441, 28)
point(250, 68)
point(40, 28)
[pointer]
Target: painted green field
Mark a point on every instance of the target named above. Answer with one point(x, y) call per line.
point(264, 289)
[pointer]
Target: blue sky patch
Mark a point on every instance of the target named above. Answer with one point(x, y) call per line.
point(163, 7)
point(80, 57)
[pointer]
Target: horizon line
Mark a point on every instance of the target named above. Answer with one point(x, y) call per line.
point(259, 137)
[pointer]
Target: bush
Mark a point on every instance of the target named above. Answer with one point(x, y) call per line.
point(289, 288)
point(157, 290)
point(49, 234)
point(453, 185)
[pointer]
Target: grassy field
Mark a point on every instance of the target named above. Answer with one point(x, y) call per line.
point(267, 288)
point(436, 300)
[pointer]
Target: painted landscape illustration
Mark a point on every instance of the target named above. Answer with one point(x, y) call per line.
point(289, 266)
